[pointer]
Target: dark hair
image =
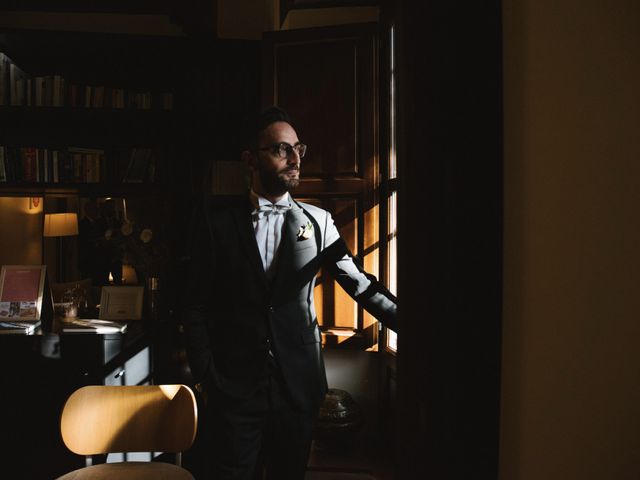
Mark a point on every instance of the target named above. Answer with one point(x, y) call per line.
point(256, 123)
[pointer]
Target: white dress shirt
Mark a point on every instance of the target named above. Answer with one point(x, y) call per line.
point(267, 226)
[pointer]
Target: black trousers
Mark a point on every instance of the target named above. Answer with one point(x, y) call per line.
point(263, 437)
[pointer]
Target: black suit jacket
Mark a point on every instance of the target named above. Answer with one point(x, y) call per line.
point(233, 315)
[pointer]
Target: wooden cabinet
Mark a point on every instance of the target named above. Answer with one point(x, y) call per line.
point(107, 359)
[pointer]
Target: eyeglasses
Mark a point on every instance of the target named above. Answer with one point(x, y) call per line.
point(283, 149)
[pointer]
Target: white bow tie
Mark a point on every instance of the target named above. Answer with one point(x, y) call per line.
point(271, 209)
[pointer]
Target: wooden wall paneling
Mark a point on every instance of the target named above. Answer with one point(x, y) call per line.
point(327, 126)
point(326, 79)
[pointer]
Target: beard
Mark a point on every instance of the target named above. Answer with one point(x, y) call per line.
point(279, 182)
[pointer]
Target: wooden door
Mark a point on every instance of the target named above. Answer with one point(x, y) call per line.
point(327, 80)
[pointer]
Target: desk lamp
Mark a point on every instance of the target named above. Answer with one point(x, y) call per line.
point(60, 225)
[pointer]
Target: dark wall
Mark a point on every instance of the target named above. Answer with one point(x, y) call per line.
point(450, 153)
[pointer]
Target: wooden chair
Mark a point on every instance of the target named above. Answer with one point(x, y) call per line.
point(110, 419)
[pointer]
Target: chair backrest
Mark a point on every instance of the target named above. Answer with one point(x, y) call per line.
point(150, 418)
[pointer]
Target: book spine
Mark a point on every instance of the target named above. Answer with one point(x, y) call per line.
point(48, 90)
point(67, 172)
point(17, 84)
point(89, 167)
point(29, 92)
point(55, 167)
point(13, 167)
point(46, 164)
point(98, 97)
point(88, 93)
point(4, 79)
point(29, 164)
point(20, 91)
point(39, 162)
point(3, 168)
point(56, 100)
point(73, 95)
point(99, 161)
point(39, 81)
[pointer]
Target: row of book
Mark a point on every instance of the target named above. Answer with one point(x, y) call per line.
point(17, 88)
point(76, 165)
point(89, 96)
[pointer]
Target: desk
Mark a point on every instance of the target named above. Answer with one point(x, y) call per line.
point(37, 374)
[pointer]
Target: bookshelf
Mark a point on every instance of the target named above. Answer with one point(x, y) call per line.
point(86, 113)
point(112, 126)
point(213, 84)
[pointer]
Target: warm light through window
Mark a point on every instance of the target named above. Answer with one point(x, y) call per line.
point(392, 206)
point(392, 244)
point(392, 261)
point(392, 108)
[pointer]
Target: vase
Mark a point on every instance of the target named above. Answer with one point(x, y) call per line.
point(152, 293)
point(339, 419)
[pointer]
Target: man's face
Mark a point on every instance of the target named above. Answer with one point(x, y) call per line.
point(277, 175)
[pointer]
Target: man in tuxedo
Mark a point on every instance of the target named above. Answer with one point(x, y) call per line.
point(251, 331)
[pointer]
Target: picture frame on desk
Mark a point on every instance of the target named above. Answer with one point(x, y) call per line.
point(121, 303)
point(22, 292)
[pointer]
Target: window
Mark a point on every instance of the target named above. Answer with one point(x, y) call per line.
point(390, 188)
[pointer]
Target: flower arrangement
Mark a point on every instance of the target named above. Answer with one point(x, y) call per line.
point(140, 248)
point(305, 231)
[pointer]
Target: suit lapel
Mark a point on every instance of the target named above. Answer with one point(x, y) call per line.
point(291, 224)
point(242, 217)
point(290, 249)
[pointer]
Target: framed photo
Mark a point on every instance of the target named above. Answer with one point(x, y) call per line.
point(21, 292)
point(121, 303)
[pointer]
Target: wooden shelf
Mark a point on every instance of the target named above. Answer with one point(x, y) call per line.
point(148, 7)
point(94, 127)
point(82, 189)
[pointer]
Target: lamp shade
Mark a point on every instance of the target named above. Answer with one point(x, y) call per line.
point(60, 224)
